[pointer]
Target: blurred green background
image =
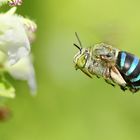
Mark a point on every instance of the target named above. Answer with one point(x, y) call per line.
point(69, 105)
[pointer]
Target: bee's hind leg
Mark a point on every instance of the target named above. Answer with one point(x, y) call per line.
point(134, 90)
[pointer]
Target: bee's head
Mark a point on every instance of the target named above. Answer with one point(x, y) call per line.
point(81, 58)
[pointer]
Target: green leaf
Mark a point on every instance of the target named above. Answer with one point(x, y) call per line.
point(6, 89)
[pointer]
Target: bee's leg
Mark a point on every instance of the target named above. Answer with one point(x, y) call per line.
point(97, 76)
point(123, 88)
point(134, 90)
point(107, 78)
point(108, 82)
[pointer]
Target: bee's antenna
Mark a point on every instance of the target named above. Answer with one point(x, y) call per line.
point(78, 40)
point(77, 46)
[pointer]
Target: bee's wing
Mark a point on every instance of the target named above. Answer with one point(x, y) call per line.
point(117, 77)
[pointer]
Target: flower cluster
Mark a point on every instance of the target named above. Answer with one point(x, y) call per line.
point(15, 2)
point(16, 35)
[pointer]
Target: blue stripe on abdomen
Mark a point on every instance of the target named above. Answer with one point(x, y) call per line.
point(135, 79)
point(136, 87)
point(133, 66)
point(123, 56)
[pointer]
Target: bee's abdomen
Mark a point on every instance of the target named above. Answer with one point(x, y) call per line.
point(129, 66)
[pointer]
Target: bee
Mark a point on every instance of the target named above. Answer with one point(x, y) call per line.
point(116, 67)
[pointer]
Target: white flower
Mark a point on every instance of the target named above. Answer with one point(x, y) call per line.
point(14, 2)
point(15, 36)
point(23, 70)
point(11, 2)
point(30, 28)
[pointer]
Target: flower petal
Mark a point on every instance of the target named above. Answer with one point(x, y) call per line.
point(24, 70)
point(13, 38)
point(30, 28)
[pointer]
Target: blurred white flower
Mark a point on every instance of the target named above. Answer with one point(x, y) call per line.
point(30, 28)
point(11, 2)
point(14, 2)
point(15, 36)
point(23, 70)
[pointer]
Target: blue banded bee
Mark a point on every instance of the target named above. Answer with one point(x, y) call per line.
point(113, 65)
